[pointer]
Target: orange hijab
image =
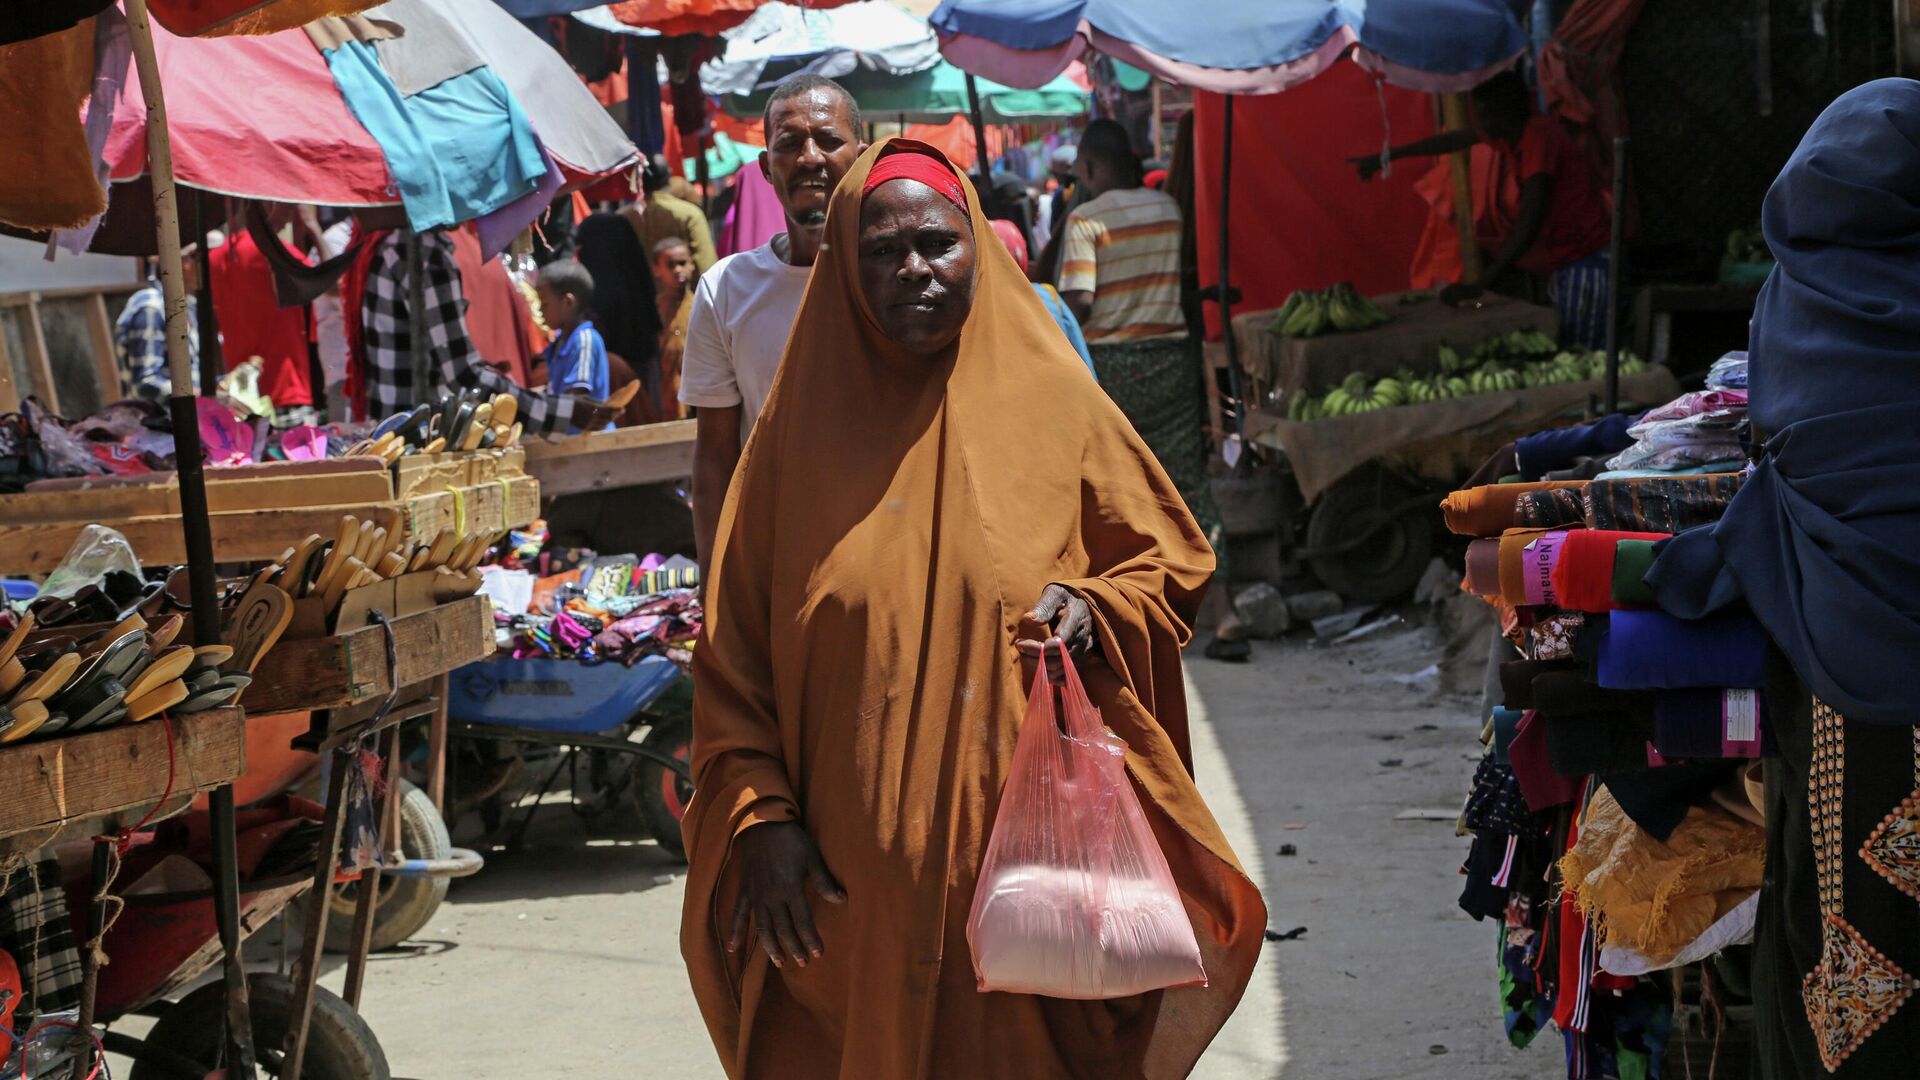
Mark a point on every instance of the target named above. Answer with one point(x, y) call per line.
point(892, 518)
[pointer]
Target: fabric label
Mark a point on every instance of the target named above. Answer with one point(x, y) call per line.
point(1742, 713)
point(1537, 561)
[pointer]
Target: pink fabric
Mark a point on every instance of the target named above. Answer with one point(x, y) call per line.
point(755, 216)
point(1009, 234)
point(256, 117)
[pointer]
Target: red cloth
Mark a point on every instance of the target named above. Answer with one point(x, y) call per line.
point(499, 320)
point(1580, 78)
point(1577, 222)
point(253, 324)
point(1289, 154)
point(1583, 578)
point(353, 290)
point(912, 162)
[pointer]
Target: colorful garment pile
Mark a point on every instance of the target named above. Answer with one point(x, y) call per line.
point(605, 609)
point(1613, 837)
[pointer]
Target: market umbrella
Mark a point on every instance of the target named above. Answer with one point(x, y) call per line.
point(669, 17)
point(1237, 46)
point(863, 35)
point(939, 94)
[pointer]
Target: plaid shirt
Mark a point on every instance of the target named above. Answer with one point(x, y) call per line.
point(456, 364)
point(140, 337)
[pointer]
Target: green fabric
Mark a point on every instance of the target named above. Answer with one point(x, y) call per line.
point(1631, 561)
point(937, 95)
point(1157, 385)
point(1130, 78)
point(724, 158)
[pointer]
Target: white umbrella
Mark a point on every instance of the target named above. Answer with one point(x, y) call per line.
point(869, 34)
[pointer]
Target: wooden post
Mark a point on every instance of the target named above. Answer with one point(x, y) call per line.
point(1454, 116)
point(106, 363)
point(437, 746)
point(39, 370)
point(9, 394)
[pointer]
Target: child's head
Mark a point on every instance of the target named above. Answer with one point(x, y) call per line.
point(565, 290)
point(672, 264)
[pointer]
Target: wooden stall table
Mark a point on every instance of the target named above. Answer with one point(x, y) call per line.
point(623, 457)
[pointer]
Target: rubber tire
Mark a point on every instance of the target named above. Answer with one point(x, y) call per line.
point(1386, 567)
point(340, 1045)
point(406, 904)
point(661, 807)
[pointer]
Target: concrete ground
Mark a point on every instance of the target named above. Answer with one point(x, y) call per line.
point(561, 959)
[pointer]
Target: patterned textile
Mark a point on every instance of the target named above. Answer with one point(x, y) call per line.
point(36, 932)
point(1124, 248)
point(1495, 804)
point(1579, 294)
point(294, 416)
point(1553, 636)
point(1893, 850)
point(1549, 509)
point(1156, 385)
point(140, 339)
point(1666, 506)
point(456, 365)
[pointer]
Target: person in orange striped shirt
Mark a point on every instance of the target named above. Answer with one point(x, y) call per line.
point(1120, 275)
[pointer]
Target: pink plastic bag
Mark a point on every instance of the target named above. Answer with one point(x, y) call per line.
point(1075, 898)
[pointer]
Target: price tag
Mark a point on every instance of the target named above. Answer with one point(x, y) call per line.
point(1742, 713)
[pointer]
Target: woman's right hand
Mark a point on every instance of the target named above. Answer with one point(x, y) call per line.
point(777, 863)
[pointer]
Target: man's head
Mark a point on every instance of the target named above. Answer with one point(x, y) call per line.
point(1502, 106)
point(813, 136)
point(1105, 161)
point(565, 290)
point(673, 267)
point(656, 175)
point(1061, 164)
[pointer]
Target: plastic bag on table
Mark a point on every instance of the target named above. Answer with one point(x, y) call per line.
point(95, 552)
point(1075, 898)
point(1697, 403)
point(1728, 373)
point(65, 453)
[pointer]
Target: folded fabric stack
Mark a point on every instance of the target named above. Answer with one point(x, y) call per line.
point(1601, 810)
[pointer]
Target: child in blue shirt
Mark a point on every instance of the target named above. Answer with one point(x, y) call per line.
point(576, 359)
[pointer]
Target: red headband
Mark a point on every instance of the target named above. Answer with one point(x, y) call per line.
point(917, 165)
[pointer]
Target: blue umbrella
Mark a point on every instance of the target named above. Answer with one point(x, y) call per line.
point(1237, 46)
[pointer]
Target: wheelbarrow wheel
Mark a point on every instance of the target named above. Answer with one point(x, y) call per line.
point(406, 904)
point(1394, 555)
point(663, 794)
point(340, 1045)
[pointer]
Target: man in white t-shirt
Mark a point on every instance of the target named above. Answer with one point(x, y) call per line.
point(743, 308)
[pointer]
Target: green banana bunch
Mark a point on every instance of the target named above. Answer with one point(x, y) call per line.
point(1309, 313)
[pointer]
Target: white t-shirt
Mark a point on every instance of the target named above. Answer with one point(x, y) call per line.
point(329, 325)
point(743, 310)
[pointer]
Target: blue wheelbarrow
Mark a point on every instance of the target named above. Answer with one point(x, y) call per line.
point(623, 733)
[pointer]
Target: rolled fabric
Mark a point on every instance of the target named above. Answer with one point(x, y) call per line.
point(1709, 722)
point(1483, 567)
point(1553, 637)
point(1489, 510)
point(1537, 561)
point(1540, 785)
point(1652, 650)
point(1551, 509)
point(1631, 561)
point(1516, 679)
point(1583, 576)
point(1604, 743)
point(1557, 448)
point(1570, 693)
point(1513, 575)
point(1660, 504)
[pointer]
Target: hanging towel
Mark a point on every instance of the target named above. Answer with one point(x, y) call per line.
point(1652, 650)
point(1583, 575)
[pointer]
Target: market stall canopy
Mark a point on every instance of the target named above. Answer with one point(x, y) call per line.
point(668, 17)
point(864, 35)
point(939, 94)
point(1237, 46)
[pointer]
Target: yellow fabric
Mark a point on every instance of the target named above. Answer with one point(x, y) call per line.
point(48, 180)
point(1657, 898)
point(892, 518)
point(227, 18)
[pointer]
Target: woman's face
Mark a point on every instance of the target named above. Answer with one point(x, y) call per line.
point(916, 264)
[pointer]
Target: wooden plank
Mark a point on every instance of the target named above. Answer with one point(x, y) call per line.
point(625, 457)
point(106, 362)
point(38, 368)
point(68, 292)
point(1454, 116)
point(9, 393)
point(238, 536)
point(346, 669)
point(493, 508)
point(101, 772)
point(297, 492)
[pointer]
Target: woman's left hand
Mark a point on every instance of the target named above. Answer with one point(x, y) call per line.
point(1073, 629)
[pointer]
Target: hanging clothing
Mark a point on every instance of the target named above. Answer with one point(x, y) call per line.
point(499, 318)
point(892, 518)
point(755, 216)
point(253, 324)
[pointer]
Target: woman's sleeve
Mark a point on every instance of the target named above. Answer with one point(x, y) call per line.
point(739, 766)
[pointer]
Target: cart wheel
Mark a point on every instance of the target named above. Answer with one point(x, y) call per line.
point(663, 794)
point(406, 904)
point(1392, 559)
point(340, 1045)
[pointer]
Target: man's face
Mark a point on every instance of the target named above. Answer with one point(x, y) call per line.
point(811, 145)
point(673, 268)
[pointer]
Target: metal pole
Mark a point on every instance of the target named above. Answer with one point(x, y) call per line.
point(1226, 288)
point(1616, 254)
point(194, 518)
point(979, 132)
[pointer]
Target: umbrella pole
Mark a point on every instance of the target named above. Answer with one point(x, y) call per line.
point(194, 520)
point(979, 130)
point(1616, 252)
point(1226, 289)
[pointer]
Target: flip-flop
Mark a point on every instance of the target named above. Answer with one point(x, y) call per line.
point(156, 701)
point(28, 717)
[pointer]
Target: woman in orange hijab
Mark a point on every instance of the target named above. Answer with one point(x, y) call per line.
point(934, 478)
